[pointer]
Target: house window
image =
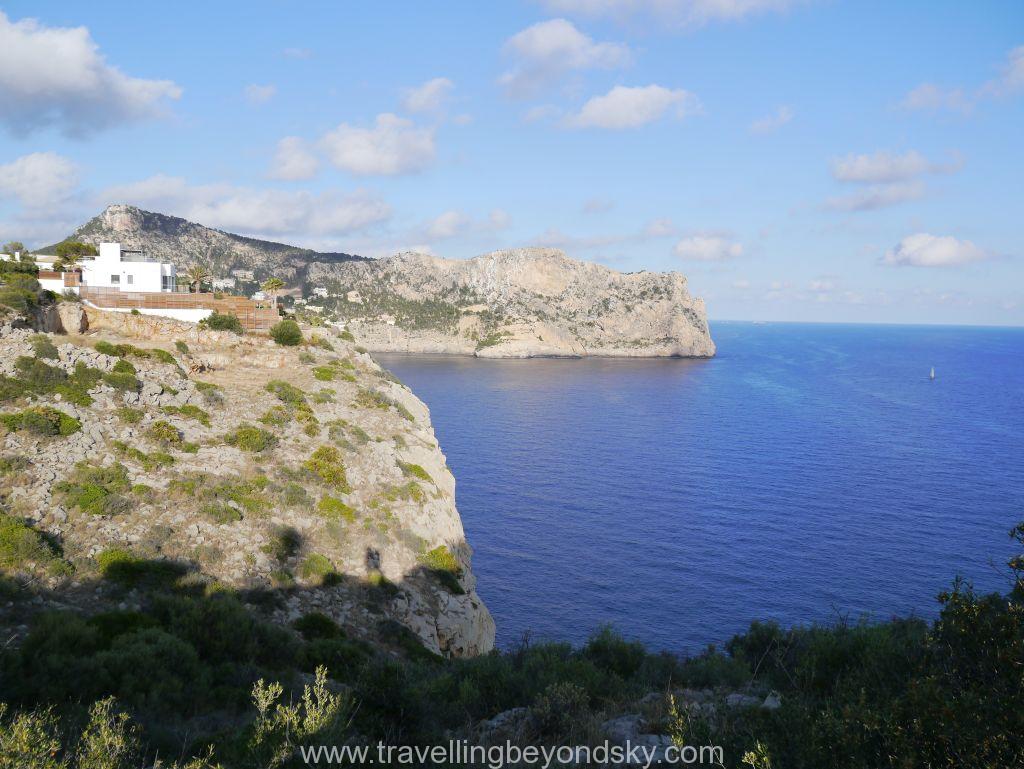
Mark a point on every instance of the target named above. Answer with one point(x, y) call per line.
point(130, 279)
point(167, 282)
point(115, 280)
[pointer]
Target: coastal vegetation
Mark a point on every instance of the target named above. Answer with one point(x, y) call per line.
point(854, 695)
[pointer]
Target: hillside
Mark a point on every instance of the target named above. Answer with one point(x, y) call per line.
point(516, 303)
point(513, 304)
point(310, 471)
point(182, 242)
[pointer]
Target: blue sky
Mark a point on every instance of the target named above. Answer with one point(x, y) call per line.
point(815, 160)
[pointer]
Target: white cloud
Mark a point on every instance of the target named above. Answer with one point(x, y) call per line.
point(447, 225)
point(549, 49)
point(707, 248)
point(260, 94)
point(924, 250)
point(682, 13)
point(56, 76)
point(38, 180)
point(393, 146)
point(293, 160)
point(930, 97)
point(624, 107)
point(597, 206)
point(499, 219)
point(892, 179)
point(1011, 78)
point(772, 122)
point(883, 167)
point(429, 97)
point(541, 112)
point(933, 98)
point(877, 196)
point(297, 53)
point(660, 228)
point(255, 211)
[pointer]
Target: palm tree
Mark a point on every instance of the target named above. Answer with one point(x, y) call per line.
point(272, 286)
point(196, 274)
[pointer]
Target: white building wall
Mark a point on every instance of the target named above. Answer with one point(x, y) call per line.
point(108, 270)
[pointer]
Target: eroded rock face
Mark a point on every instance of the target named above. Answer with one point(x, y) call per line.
point(514, 304)
point(361, 541)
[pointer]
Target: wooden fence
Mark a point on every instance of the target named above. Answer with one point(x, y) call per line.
point(255, 316)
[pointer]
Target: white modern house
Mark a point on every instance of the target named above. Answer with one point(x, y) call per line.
point(126, 280)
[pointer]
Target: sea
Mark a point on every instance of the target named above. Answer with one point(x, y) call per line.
point(809, 473)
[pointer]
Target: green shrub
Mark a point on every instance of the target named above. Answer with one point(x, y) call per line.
point(107, 348)
point(21, 545)
point(163, 356)
point(346, 335)
point(96, 490)
point(130, 416)
point(222, 322)
point(276, 416)
point(148, 461)
point(316, 567)
point(325, 463)
point(221, 513)
point(41, 420)
point(325, 373)
point(43, 346)
point(181, 346)
point(121, 381)
point(250, 438)
point(286, 333)
point(324, 395)
point(285, 392)
point(37, 376)
point(316, 625)
point(415, 471)
point(164, 433)
point(318, 341)
point(189, 411)
point(124, 367)
point(120, 565)
point(334, 509)
point(284, 543)
point(375, 399)
point(445, 567)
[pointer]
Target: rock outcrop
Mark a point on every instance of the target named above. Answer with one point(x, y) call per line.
point(310, 471)
point(520, 303)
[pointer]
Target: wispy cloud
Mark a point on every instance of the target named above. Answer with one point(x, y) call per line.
point(677, 13)
point(884, 178)
point(428, 97)
point(772, 122)
point(260, 94)
point(934, 98)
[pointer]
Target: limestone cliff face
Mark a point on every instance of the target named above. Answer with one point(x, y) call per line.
point(513, 304)
point(343, 504)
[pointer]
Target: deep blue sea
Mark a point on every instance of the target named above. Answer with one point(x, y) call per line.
point(807, 472)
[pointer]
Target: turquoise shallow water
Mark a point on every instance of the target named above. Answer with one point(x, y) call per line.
point(807, 472)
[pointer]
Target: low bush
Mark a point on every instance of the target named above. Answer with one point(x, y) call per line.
point(326, 465)
point(124, 367)
point(222, 322)
point(43, 346)
point(121, 381)
point(189, 411)
point(445, 567)
point(250, 438)
point(285, 392)
point(148, 461)
point(130, 415)
point(375, 399)
point(276, 416)
point(325, 373)
point(316, 568)
point(22, 546)
point(335, 510)
point(164, 433)
point(221, 513)
point(41, 420)
point(316, 625)
point(181, 346)
point(286, 333)
point(415, 471)
point(120, 565)
point(318, 341)
point(95, 489)
point(285, 543)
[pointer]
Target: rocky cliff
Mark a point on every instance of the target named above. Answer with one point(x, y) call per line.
point(513, 304)
point(309, 475)
point(517, 303)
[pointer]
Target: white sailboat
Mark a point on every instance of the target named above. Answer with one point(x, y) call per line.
point(932, 374)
